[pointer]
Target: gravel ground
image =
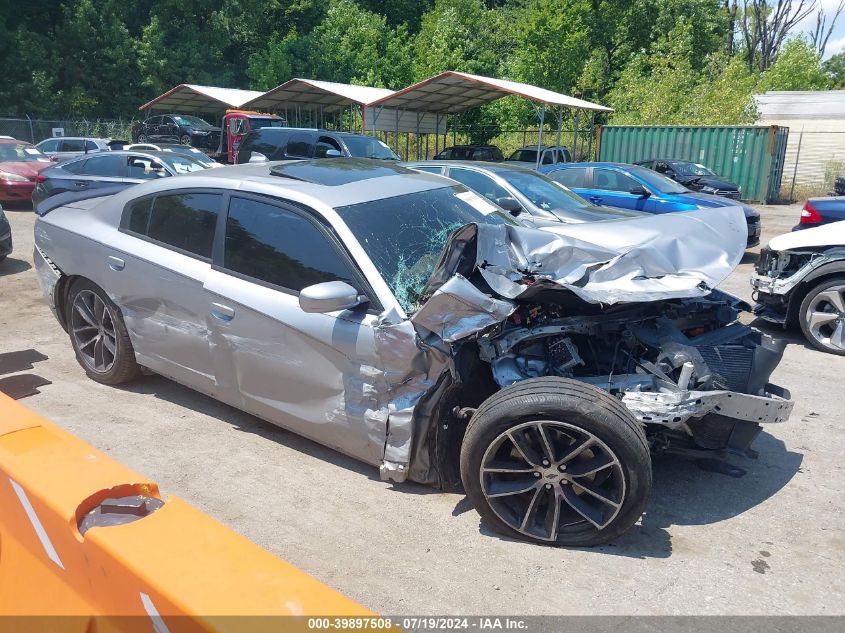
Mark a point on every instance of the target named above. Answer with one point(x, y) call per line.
point(771, 542)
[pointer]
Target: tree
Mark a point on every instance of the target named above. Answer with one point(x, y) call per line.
point(834, 68)
point(764, 28)
point(798, 67)
point(824, 27)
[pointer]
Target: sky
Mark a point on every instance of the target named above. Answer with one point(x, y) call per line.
point(836, 43)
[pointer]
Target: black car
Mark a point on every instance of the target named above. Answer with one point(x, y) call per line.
point(5, 236)
point(283, 143)
point(489, 153)
point(113, 170)
point(694, 176)
point(178, 128)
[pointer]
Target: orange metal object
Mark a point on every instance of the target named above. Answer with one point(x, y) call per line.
point(176, 561)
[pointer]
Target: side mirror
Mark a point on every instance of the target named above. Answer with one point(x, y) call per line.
point(511, 205)
point(640, 191)
point(257, 157)
point(54, 158)
point(329, 296)
point(333, 153)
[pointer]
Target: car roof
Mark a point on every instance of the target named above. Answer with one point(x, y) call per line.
point(468, 146)
point(10, 141)
point(335, 182)
point(77, 138)
point(473, 164)
point(543, 147)
point(612, 165)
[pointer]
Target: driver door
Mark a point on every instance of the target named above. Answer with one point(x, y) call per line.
point(310, 373)
point(613, 189)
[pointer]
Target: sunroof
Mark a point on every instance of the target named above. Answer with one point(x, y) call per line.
point(338, 171)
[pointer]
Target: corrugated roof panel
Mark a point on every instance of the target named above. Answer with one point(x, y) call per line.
point(788, 105)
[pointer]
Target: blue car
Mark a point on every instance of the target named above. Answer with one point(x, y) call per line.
point(641, 189)
point(818, 211)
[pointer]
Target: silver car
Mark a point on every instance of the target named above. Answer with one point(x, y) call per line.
point(408, 322)
point(65, 147)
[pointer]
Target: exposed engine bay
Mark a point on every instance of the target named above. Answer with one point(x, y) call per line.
point(672, 363)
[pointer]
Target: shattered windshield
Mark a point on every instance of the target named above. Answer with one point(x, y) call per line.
point(405, 235)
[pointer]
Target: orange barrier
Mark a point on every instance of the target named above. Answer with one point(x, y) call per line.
point(175, 561)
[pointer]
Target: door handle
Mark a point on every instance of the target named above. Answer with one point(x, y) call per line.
point(595, 199)
point(81, 184)
point(221, 312)
point(116, 264)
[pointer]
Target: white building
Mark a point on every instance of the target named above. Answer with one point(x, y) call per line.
point(816, 122)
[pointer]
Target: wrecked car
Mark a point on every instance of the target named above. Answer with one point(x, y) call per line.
point(800, 280)
point(408, 322)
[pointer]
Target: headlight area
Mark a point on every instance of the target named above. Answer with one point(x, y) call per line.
point(10, 177)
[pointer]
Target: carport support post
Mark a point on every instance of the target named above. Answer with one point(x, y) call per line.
point(559, 125)
point(575, 135)
point(540, 135)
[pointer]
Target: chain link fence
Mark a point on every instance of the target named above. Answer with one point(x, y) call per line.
point(36, 130)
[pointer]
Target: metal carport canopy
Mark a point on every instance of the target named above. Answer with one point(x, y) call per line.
point(328, 95)
point(195, 98)
point(452, 92)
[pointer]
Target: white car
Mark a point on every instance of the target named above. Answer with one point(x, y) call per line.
point(800, 280)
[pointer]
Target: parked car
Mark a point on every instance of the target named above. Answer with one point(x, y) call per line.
point(5, 236)
point(288, 143)
point(184, 129)
point(64, 147)
point(635, 187)
point(20, 163)
point(549, 155)
point(443, 342)
point(489, 153)
point(820, 211)
point(800, 280)
point(236, 124)
point(119, 168)
point(694, 176)
point(523, 192)
point(193, 152)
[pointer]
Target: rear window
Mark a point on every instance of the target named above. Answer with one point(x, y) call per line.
point(575, 177)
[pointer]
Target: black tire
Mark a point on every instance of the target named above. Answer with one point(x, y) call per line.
point(185, 139)
point(142, 138)
point(563, 409)
point(811, 300)
point(122, 367)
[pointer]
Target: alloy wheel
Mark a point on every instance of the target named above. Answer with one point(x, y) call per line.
point(93, 331)
point(545, 478)
point(825, 317)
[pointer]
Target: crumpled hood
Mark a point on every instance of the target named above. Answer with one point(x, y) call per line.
point(667, 256)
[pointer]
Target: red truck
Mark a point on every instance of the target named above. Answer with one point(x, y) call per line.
point(235, 126)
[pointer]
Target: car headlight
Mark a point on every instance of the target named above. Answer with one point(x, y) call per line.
point(708, 189)
point(200, 132)
point(5, 175)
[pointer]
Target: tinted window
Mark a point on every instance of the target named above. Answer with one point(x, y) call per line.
point(279, 247)
point(324, 145)
point(299, 145)
point(136, 218)
point(478, 182)
point(524, 155)
point(564, 155)
point(75, 167)
point(185, 221)
point(104, 166)
point(368, 147)
point(267, 142)
point(549, 157)
point(71, 145)
point(575, 177)
point(166, 120)
point(613, 180)
point(153, 120)
point(91, 146)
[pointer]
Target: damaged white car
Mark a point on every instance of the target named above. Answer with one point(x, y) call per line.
point(800, 280)
point(408, 322)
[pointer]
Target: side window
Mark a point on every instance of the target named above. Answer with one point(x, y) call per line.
point(72, 145)
point(572, 178)
point(136, 216)
point(50, 146)
point(300, 145)
point(324, 144)
point(613, 180)
point(564, 155)
point(104, 166)
point(482, 154)
point(279, 247)
point(549, 157)
point(144, 168)
point(497, 154)
point(430, 170)
point(155, 120)
point(478, 182)
point(91, 146)
point(237, 126)
point(185, 221)
point(167, 120)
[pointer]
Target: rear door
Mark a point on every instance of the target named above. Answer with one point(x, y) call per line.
point(300, 145)
point(159, 285)
point(100, 170)
point(306, 372)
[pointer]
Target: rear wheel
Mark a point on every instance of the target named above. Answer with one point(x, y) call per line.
point(822, 316)
point(142, 138)
point(185, 139)
point(556, 461)
point(98, 335)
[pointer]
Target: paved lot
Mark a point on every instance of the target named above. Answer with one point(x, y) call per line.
point(771, 542)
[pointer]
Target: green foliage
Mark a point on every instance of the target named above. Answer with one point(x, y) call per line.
point(655, 61)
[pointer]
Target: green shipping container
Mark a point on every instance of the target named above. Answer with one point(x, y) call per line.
point(750, 156)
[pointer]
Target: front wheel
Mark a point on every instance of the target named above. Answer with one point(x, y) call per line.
point(142, 138)
point(185, 140)
point(556, 461)
point(98, 335)
point(822, 316)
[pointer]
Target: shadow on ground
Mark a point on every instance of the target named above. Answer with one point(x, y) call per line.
point(12, 266)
